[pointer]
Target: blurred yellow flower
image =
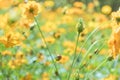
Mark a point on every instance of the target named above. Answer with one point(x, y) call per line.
point(50, 40)
point(32, 9)
point(45, 76)
point(78, 4)
point(27, 77)
point(12, 64)
point(40, 57)
point(75, 11)
point(49, 27)
point(6, 52)
point(114, 42)
point(106, 9)
point(63, 59)
point(69, 44)
point(90, 7)
point(11, 39)
point(49, 3)
point(19, 55)
point(25, 23)
point(111, 77)
point(67, 19)
point(5, 4)
point(116, 18)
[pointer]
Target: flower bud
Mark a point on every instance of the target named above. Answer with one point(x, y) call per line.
point(80, 26)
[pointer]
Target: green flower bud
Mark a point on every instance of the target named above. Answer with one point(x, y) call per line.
point(80, 25)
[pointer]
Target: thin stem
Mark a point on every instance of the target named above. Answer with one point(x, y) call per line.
point(74, 57)
point(50, 54)
point(94, 31)
point(79, 68)
point(98, 66)
point(87, 53)
point(115, 62)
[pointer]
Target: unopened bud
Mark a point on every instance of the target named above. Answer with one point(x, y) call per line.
point(80, 26)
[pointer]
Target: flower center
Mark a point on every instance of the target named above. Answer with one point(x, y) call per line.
point(118, 19)
point(31, 10)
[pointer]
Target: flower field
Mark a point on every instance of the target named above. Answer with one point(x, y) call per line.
point(59, 40)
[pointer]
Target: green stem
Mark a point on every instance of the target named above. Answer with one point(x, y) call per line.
point(79, 68)
point(50, 54)
point(99, 66)
point(94, 31)
point(74, 57)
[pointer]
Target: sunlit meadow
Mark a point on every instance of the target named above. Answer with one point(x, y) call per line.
point(59, 40)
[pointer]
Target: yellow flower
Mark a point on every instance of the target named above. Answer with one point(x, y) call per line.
point(111, 77)
point(69, 44)
point(31, 9)
point(27, 77)
point(116, 18)
point(19, 55)
point(78, 4)
point(40, 57)
point(11, 39)
point(67, 19)
point(47, 63)
point(12, 64)
point(62, 59)
point(74, 10)
point(49, 27)
point(50, 40)
point(4, 53)
point(90, 7)
point(106, 9)
point(48, 3)
point(5, 4)
point(114, 42)
point(45, 76)
point(23, 22)
point(20, 59)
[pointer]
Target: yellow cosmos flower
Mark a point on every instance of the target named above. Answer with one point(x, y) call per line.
point(45, 76)
point(49, 27)
point(78, 4)
point(6, 52)
point(32, 9)
point(48, 3)
point(40, 57)
point(116, 17)
point(90, 7)
point(62, 59)
point(110, 77)
point(19, 55)
point(106, 9)
point(114, 42)
point(5, 4)
point(12, 64)
point(11, 39)
point(27, 77)
point(50, 40)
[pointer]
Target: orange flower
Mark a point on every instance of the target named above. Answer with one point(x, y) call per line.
point(114, 42)
point(78, 4)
